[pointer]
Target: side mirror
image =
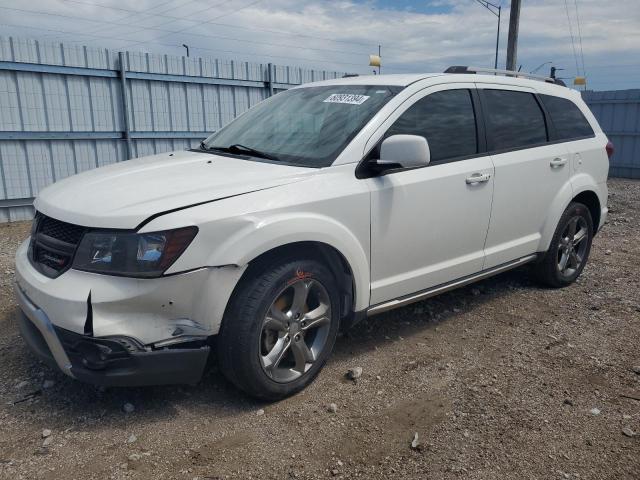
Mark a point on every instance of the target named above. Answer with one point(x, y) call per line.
point(407, 151)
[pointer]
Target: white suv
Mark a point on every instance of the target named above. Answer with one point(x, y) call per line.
point(319, 206)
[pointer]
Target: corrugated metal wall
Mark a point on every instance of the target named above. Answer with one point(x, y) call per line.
point(62, 111)
point(618, 112)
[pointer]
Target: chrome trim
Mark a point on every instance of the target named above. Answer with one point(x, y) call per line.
point(445, 287)
point(44, 325)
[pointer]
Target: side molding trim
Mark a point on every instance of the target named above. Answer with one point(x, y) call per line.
point(445, 287)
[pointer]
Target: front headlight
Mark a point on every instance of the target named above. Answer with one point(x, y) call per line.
point(132, 254)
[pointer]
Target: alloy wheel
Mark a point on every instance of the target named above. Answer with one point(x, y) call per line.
point(573, 246)
point(295, 330)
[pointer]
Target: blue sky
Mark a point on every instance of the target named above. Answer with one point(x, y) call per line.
point(416, 35)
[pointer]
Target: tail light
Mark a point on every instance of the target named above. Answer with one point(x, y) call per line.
point(609, 148)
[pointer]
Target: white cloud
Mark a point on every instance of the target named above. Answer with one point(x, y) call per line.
point(339, 34)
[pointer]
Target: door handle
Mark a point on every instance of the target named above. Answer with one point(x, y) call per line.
point(558, 162)
point(478, 178)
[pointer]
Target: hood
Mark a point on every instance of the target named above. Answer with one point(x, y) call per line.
point(125, 194)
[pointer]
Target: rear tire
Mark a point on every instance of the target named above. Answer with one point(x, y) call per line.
point(569, 249)
point(279, 327)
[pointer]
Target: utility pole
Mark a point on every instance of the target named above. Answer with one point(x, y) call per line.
point(495, 65)
point(497, 11)
point(512, 43)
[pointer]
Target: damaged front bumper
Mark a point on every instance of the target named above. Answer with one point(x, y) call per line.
point(110, 361)
point(123, 331)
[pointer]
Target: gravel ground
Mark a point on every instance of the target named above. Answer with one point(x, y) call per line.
point(501, 379)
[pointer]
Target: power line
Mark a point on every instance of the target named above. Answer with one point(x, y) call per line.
point(580, 37)
point(133, 13)
point(239, 27)
point(362, 67)
point(144, 11)
point(573, 44)
point(110, 37)
point(208, 7)
point(497, 11)
point(165, 10)
point(132, 42)
point(187, 28)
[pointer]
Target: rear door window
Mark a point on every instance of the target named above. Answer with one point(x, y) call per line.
point(568, 121)
point(514, 119)
point(446, 119)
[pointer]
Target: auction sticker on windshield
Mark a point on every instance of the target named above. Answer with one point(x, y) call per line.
point(349, 98)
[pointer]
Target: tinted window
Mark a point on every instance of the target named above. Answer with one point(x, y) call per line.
point(446, 120)
point(514, 119)
point(568, 120)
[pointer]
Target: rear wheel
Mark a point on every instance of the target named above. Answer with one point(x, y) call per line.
point(569, 248)
point(279, 328)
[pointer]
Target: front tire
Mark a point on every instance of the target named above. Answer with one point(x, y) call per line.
point(279, 328)
point(569, 249)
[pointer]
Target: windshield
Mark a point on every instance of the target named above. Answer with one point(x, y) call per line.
point(307, 126)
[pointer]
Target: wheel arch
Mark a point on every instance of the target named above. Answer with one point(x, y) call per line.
point(320, 251)
point(563, 199)
point(590, 199)
point(302, 233)
point(558, 206)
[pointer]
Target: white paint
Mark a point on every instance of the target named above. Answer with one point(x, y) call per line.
point(400, 233)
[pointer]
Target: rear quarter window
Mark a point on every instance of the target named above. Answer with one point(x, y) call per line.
point(515, 120)
point(568, 121)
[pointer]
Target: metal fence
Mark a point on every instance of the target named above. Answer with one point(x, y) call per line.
point(62, 108)
point(618, 112)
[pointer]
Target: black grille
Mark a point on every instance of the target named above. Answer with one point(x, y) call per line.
point(53, 244)
point(65, 232)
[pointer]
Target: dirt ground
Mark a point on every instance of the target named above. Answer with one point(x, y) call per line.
point(500, 380)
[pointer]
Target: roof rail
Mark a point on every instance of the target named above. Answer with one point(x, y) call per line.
point(508, 73)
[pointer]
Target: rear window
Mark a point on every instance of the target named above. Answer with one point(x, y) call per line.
point(568, 121)
point(514, 119)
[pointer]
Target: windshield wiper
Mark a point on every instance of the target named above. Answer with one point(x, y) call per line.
point(236, 147)
point(240, 149)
